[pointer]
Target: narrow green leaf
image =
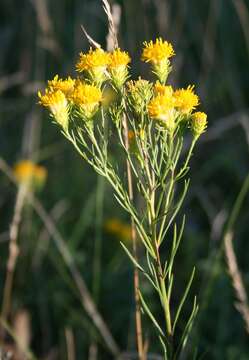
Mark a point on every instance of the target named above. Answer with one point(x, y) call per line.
point(187, 329)
point(183, 298)
point(165, 353)
point(178, 206)
point(132, 258)
point(151, 316)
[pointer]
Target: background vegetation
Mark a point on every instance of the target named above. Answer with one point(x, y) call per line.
point(41, 38)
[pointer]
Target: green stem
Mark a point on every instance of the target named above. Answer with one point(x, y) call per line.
point(188, 157)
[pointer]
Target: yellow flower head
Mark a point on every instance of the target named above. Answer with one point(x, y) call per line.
point(93, 59)
point(26, 171)
point(118, 61)
point(161, 108)
point(57, 102)
point(186, 99)
point(85, 94)
point(160, 105)
point(66, 86)
point(94, 63)
point(160, 89)
point(198, 123)
point(158, 51)
point(87, 97)
point(118, 58)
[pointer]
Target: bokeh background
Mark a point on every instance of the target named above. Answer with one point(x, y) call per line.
point(40, 38)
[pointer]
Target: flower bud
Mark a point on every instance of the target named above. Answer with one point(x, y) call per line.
point(198, 123)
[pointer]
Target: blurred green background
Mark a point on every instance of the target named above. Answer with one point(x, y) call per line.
point(39, 39)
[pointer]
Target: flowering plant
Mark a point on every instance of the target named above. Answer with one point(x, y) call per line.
point(148, 121)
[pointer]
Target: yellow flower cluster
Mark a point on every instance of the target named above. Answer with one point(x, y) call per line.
point(168, 105)
point(100, 59)
point(25, 171)
point(160, 101)
point(96, 63)
point(61, 94)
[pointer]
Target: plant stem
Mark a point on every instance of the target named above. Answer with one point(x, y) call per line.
point(139, 333)
point(160, 275)
point(97, 257)
point(13, 252)
point(165, 300)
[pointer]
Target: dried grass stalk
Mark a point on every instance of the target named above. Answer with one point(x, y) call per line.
point(242, 301)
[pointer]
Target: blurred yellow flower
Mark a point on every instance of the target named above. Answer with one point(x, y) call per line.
point(109, 95)
point(118, 229)
point(57, 102)
point(131, 135)
point(25, 171)
point(198, 123)
point(157, 51)
point(186, 99)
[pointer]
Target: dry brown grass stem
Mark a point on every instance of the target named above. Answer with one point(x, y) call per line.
point(13, 252)
point(22, 329)
point(243, 15)
point(242, 301)
point(90, 39)
point(70, 344)
point(11, 351)
point(46, 25)
point(116, 16)
point(44, 237)
point(86, 299)
point(111, 23)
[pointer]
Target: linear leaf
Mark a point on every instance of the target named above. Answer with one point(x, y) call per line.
point(183, 298)
point(132, 257)
point(146, 308)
